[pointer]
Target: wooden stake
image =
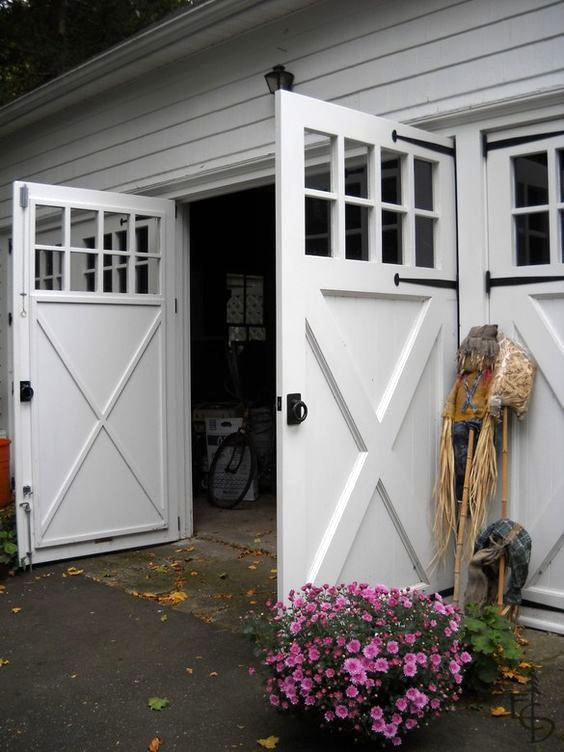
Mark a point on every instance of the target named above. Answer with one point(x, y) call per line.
point(504, 504)
point(463, 516)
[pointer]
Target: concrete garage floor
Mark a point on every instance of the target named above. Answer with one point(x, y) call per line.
point(227, 568)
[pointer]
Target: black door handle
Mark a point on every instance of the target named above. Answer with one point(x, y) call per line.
point(26, 391)
point(296, 409)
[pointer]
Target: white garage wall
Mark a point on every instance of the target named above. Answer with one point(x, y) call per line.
point(410, 60)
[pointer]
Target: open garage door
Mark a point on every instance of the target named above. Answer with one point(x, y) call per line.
point(92, 327)
point(366, 342)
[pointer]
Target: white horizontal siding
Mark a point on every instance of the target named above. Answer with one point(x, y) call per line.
point(407, 60)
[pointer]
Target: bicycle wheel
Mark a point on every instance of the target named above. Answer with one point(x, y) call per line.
point(232, 470)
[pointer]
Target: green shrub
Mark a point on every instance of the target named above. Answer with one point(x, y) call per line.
point(8, 540)
point(491, 641)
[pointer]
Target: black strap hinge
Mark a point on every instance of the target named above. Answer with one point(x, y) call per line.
point(449, 150)
point(511, 281)
point(451, 284)
point(505, 143)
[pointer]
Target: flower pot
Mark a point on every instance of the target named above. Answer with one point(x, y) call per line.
point(5, 484)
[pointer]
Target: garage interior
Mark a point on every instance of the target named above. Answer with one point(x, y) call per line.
point(232, 343)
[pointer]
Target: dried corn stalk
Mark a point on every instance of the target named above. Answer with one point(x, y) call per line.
point(513, 378)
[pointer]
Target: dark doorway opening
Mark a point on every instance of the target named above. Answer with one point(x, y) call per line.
point(232, 342)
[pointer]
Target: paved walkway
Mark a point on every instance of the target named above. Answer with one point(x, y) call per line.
point(85, 658)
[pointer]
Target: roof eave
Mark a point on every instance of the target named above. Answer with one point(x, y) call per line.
point(181, 35)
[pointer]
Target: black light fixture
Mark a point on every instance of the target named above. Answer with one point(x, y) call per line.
point(279, 78)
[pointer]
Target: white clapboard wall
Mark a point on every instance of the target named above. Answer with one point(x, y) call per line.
point(408, 60)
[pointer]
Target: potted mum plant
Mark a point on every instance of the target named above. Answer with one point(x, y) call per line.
point(372, 661)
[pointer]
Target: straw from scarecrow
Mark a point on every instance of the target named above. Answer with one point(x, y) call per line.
point(467, 411)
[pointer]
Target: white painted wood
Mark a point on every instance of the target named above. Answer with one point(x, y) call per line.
point(372, 362)
point(96, 444)
point(533, 314)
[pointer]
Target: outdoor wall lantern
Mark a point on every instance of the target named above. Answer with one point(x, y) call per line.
point(279, 78)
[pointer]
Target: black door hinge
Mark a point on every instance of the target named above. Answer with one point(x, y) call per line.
point(451, 284)
point(505, 143)
point(511, 281)
point(449, 150)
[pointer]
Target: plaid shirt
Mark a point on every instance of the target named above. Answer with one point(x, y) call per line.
point(518, 550)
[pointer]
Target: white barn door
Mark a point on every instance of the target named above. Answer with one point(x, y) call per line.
point(366, 335)
point(92, 326)
point(526, 257)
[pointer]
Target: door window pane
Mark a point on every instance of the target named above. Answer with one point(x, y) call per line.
point(532, 238)
point(424, 242)
point(147, 275)
point(391, 178)
point(83, 272)
point(48, 270)
point(317, 160)
point(561, 164)
point(115, 273)
point(245, 307)
point(317, 227)
point(392, 238)
point(49, 225)
point(356, 169)
point(116, 227)
point(423, 178)
point(147, 234)
point(356, 232)
point(83, 228)
point(531, 179)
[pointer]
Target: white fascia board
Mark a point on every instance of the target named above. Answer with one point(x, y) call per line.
point(176, 37)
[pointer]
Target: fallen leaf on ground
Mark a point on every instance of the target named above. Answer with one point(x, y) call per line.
point(252, 566)
point(194, 573)
point(158, 703)
point(499, 711)
point(214, 673)
point(3, 588)
point(4, 661)
point(164, 617)
point(252, 591)
point(269, 743)
point(155, 744)
point(16, 610)
point(189, 670)
point(273, 571)
point(177, 596)
point(158, 568)
point(73, 571)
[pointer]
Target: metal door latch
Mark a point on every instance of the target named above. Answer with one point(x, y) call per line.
point(296, 409)
point(26, 391)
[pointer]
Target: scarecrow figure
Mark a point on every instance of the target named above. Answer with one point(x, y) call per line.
point(467, 411)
